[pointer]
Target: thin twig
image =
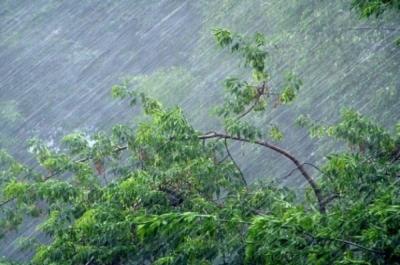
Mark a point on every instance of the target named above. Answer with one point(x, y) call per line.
point(222, 160)
point(260, 93)
point(296, 168)
point(347, 242)
point(331, 198)
point(372, 28)
point(89, 261)
point(234, 162)
point(249, 109)
point(317, 191)
point(290, 173)
point(314, 166)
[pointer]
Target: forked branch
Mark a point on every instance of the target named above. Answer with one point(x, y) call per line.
point(300, 166)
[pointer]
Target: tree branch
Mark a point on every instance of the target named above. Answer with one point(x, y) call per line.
point(317, 191)
point(374, 28)
point(249, 109)
point(331, 198)
point(296, 168)
point(347, 242)
point(314, 166)
point(260, 93)
point(214, 135)
point(234, 162)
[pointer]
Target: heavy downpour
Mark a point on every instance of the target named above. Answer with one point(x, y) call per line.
point(206, 132)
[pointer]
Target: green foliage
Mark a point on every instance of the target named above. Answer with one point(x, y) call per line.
point(124, 90)
point(276, 134)
point(317, 40)
point(224, 37)
point(369, 8)
point(292, 86)
point(10, 116)
point(165, 193)
point(256, 94)
point(397, 42)
point(9, 111)
point(359, 132)
point(375, 8)
point(242, 129)
point(76, 143)
point(169, 85)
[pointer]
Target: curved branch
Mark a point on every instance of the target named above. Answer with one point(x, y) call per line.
point(249, 109)
point(213, 135)
point(260, 93)
point(314, 166)
point(290, 173)
point(317, 191)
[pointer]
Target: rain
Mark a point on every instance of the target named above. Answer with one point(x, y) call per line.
point(59, 60)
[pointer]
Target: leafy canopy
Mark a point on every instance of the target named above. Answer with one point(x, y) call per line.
point(164, 193)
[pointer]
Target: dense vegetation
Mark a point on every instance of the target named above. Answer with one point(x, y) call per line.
point(162, 192)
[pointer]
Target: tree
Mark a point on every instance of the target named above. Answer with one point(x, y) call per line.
point(369, 8)
point(164, 193)
point(375, 8)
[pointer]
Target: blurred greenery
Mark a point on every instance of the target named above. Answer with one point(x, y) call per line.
point(10, 117)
